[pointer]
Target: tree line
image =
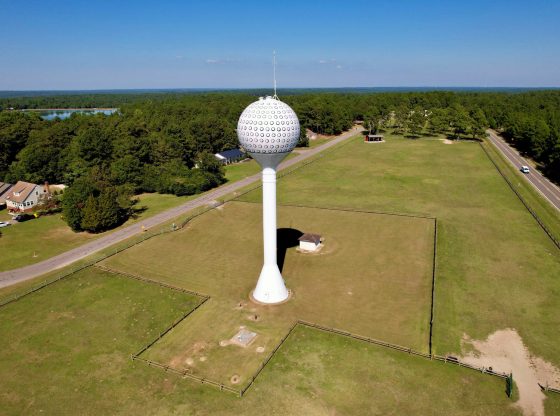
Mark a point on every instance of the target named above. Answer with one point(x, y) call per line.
point(164, 142)
point(529, 120)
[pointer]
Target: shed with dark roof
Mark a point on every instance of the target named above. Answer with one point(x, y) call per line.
point(310, 242)
point(374, 138)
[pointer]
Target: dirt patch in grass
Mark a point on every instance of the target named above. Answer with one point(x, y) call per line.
point(504, 351)
point(187, 358)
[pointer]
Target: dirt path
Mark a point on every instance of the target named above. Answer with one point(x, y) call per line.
point(505, 352)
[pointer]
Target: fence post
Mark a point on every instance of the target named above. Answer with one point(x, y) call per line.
point(509, 385)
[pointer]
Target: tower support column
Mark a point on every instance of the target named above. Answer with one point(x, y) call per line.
point(270, 286)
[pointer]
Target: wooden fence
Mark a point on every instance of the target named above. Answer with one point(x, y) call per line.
point(187, 374)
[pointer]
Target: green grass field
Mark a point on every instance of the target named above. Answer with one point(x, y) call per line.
point(493, 258)
point(351, 284)
point(241, 170)
point(38, 239)
point(495, 269)
point(69, 354)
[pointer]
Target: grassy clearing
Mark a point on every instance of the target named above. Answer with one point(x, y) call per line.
point(241, 170)
point(38, 239)
point(352, 284)
point(237, 171)
point(69, 354)
point(496, 268)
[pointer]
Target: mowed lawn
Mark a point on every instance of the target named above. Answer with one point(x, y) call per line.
point(496, 268)
point(69, 346)
point(38, 239)
point(373, 277)
point(241, 170)
point(66, 349)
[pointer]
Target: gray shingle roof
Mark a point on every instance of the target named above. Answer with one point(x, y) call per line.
point(310, 238)
point(231, 154)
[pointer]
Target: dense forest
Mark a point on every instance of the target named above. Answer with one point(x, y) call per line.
point(164, 143)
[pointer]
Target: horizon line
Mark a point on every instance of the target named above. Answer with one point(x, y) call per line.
point(282, 88)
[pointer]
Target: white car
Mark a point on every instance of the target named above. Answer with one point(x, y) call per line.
point(524, 169)
point(4, 224)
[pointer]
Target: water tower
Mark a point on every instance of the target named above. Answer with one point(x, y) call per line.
point(268, 130)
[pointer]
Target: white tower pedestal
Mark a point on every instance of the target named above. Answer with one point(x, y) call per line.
point(270, 286)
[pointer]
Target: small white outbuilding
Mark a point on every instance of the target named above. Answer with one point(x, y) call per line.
point(309, 242)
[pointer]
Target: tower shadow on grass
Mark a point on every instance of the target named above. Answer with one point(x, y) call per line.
point(287, 237)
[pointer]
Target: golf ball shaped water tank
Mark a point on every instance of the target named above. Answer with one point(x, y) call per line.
point(268, 126)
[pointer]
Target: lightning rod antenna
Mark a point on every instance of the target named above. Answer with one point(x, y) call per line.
point(274, 73)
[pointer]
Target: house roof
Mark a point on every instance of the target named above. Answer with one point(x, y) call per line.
point(20, 191)
point(375, 135)
point(4, 188)
point(230, 154)
point(310, 238)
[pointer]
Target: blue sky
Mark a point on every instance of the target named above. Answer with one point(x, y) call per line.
point(228, 44)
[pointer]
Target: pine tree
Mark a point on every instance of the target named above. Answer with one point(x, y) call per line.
point(90, 215)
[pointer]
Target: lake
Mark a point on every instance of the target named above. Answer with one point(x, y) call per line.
point(65, 113)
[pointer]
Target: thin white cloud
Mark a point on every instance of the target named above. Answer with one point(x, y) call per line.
point(213, 61)
point(326, 61)
point(330, 62)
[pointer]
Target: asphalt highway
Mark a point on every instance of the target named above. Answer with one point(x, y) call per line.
point(14, 276)
point(547, 189)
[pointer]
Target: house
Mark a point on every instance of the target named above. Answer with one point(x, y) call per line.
point(374, 138)
point(230, 156)
point(24, 196)
point(309, 242)
point(311, 135)
point(4, 188)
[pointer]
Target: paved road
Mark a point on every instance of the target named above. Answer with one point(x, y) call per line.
point(547, 189)
point(12, 277)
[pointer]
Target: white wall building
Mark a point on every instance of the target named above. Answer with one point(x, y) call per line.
point(24, 196)
point(309, 242)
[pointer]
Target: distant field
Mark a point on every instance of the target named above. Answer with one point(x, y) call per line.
point(69, 354)
point(38, 239)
